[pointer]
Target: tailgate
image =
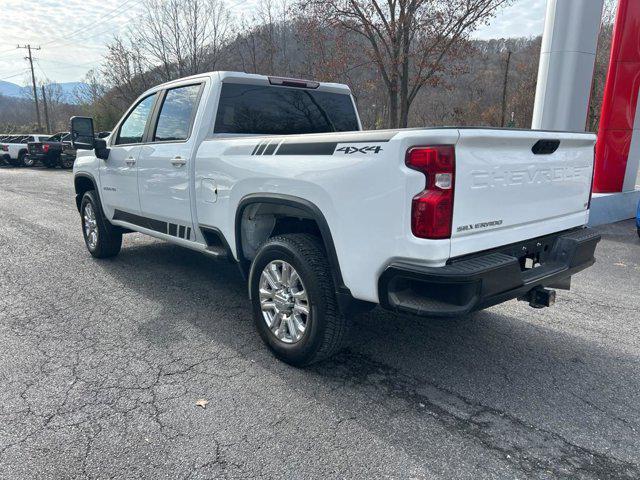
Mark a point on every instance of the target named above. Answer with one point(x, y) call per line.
point(504, 192)
point(35, 147)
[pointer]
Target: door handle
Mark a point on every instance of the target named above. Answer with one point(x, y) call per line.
point(130, 161)
point(178, 161)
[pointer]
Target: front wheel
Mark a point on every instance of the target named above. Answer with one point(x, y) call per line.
point(293, 299)
point(102, 239)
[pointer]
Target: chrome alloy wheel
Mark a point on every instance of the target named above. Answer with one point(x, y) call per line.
point(90, 226)
point(284, 301)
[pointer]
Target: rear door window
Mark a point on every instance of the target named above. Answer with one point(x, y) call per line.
point(177, 113)
point(268, 110)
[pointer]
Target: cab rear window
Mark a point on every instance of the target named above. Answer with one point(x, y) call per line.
point(268, 110)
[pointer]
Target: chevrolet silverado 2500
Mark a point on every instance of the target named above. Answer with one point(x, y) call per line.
point(324, 219)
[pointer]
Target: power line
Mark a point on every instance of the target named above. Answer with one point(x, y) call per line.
point(107, 16)
point(9, 50)
point(15, 74)
point(125, 6)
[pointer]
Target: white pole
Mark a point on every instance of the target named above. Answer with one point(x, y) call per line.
point(567, 58)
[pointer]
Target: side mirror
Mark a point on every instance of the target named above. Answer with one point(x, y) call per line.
point(82, 136)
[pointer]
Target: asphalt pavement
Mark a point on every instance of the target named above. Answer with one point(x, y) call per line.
point(103, 365)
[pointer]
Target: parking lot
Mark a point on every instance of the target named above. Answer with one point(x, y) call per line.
point(102, 363)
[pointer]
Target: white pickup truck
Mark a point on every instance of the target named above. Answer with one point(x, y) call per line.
point(325, 220)
point(14, 149)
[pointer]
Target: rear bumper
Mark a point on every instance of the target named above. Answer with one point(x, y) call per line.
point(482, 280)
point(42, 156)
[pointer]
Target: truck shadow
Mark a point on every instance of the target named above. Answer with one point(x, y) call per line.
point(508, 379)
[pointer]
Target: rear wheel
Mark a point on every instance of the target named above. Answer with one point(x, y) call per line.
point(66, 162)
point(102, 239)
point(26, 160)
point(293, 299)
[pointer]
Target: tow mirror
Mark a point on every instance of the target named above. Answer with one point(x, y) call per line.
point(83, 137)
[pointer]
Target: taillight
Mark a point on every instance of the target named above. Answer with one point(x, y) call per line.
point(432, 209)
point(45, 147)
point(4, 148)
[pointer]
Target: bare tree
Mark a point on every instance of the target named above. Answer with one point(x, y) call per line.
point(125, 70)
point(408, 39)
point(182, 37)
point(264, 40)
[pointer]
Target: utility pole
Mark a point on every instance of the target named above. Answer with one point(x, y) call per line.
point(504, 89)
point(33, 80)
point(46, 111)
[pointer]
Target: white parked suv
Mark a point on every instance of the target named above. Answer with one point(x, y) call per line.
point(324, 219)
point(13, 148)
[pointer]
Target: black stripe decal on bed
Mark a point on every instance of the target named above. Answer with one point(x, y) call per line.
point(261, 148)
point(271, 148)
point(296, 146)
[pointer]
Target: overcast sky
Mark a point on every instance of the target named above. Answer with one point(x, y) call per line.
point(73, 33)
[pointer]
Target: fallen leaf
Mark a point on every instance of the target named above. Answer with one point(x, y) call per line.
point(202, 403)
point(619, 264)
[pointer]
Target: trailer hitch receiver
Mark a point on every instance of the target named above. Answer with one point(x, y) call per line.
point(540, 297)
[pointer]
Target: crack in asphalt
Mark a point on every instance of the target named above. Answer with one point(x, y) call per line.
point(532, 449)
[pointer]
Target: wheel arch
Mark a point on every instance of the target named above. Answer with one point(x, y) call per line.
point(83, 182)
point(311, 212)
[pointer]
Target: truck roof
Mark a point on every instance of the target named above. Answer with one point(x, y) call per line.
point(255, 79)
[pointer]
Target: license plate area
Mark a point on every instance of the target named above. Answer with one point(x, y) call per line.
point(531, 253)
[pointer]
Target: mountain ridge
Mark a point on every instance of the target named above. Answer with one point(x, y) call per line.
point(10, 89)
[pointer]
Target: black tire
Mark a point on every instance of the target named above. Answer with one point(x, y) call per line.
point(66, 162)
point(109, 237)
point(25, 160)
point(326, 330)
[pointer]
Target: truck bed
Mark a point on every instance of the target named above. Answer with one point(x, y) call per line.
point(361, 184)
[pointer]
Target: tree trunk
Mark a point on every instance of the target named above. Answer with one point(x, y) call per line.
point(393, 107)
point(405, 102)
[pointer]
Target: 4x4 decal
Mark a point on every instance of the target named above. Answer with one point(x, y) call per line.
point(366, 149)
